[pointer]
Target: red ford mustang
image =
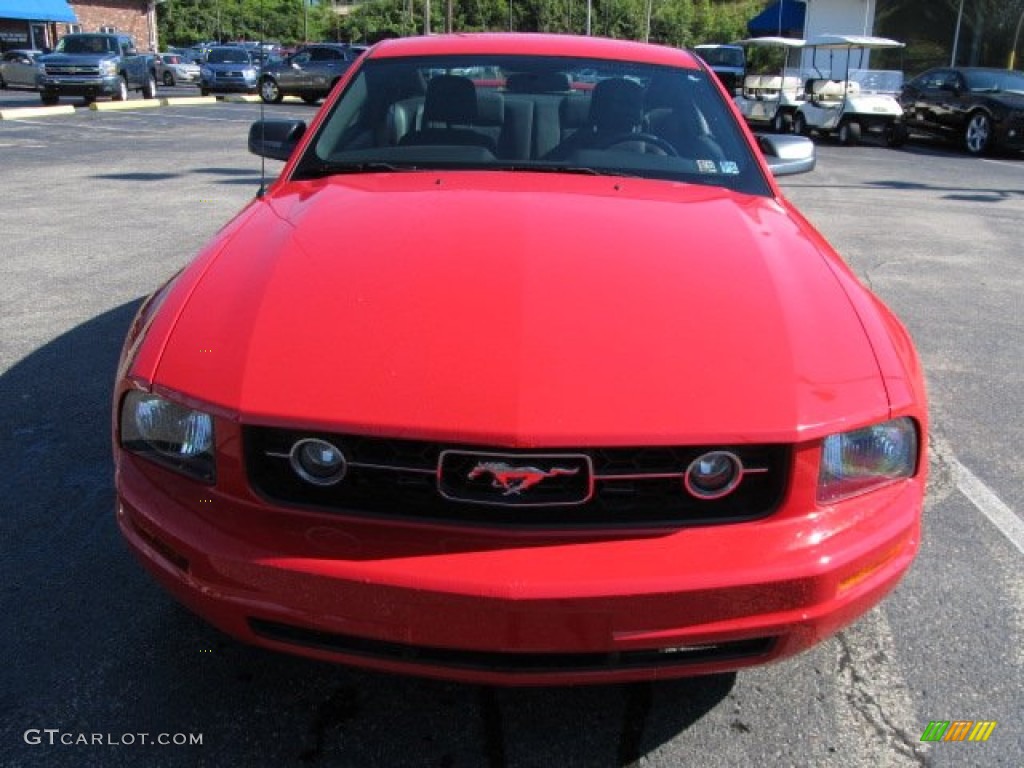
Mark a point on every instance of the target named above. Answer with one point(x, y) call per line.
point(523, 371)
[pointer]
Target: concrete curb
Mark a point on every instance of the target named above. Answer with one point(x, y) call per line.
point(243, 98)
point(184, 101)
point(15, 113)
point(116, 106)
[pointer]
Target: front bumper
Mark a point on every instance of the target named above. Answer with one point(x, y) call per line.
point(80, 86)
point(517, 608)
point(184, 77)
point(228, 85)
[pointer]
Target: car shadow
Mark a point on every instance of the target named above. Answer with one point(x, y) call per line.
point(94, 646)
point(233, 176)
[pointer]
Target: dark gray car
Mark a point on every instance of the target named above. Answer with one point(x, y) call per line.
point(310, 72)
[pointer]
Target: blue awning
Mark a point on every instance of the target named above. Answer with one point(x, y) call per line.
point(783, 17)
point(37, 10)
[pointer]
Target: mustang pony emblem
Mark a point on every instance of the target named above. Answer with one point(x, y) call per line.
point(515, 480)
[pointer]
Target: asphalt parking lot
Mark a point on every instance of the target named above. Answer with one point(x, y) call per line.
point(98, 208)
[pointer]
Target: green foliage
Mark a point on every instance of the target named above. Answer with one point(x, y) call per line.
point(672, 22)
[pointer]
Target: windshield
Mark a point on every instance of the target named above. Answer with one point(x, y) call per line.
point(995, 80)
point(723, 57)
point(885, 81)
point(531, 113)
point(87, 44)
point(228, 56)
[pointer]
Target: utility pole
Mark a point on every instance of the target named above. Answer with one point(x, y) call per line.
point(1016, 37)
point(426, 17)
point(956, 35)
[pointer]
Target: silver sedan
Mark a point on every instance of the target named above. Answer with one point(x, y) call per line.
point(173, 69)
point(18, 68)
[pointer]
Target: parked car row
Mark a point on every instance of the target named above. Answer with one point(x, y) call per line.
point(309, 72)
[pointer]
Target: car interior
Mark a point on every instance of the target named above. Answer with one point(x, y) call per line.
point(534, 112)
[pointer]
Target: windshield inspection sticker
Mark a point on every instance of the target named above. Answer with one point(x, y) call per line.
point(729, 167)
point(707, 166)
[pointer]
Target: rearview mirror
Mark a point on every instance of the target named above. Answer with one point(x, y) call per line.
point(787, 154)
point(275, 139)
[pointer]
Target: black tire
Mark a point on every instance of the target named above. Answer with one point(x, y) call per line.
point(149, 89)
point(48, 99)
point(3, 83)
point(895, 135)
point(122, 89)
point(168, 79)
point(782, 122)
point(269, 91)
point(977, 138)
point(800, 126)
point(849, 133)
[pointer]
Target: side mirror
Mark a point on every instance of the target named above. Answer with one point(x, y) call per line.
point(275, 139)
point(786, 154)
point(129, 51)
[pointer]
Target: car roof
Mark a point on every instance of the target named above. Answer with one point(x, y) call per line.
point(534, 44)
point(772, 40)
point(852, 41)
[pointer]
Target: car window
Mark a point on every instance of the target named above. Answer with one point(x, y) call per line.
point(87, 44)
point(529, 113)
point(995, 80)
point(324, 54)
point(227, 56)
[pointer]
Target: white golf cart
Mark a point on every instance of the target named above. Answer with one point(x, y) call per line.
point(769, 101)
point(851, 101)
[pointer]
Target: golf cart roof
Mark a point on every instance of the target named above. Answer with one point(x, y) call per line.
point(769, 41)
point(852, 41)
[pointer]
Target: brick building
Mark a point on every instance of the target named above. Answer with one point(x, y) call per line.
point(41, 23)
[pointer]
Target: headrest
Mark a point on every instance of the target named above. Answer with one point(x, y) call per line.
point(450, 99)
point(538, 82)
point(617, 105)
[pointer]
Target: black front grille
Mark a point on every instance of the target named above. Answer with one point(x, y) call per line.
point(513, 662)
point(400, 479)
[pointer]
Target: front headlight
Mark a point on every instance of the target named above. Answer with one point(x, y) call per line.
point(108, 67)
point(860, 461)
point(170, 434)
point(249, 73)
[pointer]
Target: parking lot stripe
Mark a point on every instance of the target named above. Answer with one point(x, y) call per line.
point(982, 497)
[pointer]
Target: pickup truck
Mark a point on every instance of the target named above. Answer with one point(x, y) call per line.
point(95, 64)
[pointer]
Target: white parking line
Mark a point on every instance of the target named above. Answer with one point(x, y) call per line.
point(981, 496)
point(1007, 163)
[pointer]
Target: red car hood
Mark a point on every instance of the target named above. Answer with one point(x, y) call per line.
point(523, 310)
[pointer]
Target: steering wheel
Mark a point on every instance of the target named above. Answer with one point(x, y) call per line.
point(646, 138)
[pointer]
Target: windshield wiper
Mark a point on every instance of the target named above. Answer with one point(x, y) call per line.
point(331, 169)
point(576, 169)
